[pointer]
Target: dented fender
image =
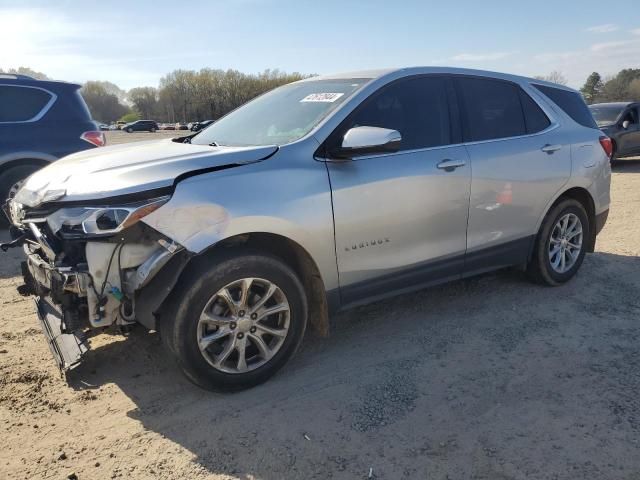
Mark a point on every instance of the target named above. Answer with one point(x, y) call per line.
point(284, 197)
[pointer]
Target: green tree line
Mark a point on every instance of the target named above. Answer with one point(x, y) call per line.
point(184, 95)
point(625, 86)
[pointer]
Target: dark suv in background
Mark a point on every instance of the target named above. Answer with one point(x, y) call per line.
point(620, 122)
point(141, 126)
point(40, 121)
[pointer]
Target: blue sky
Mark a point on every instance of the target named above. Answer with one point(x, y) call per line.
point(134, 43)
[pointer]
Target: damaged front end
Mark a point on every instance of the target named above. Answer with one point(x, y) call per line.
point(90, 267)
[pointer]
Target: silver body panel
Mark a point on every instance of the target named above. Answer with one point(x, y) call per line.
point(403, 214)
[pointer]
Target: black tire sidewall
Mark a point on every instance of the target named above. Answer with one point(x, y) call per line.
point(549, 275)
point(193, 298)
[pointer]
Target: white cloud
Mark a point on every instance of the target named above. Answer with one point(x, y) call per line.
point(479, 57)
point(606, 58)
point(635, 31)
point(62, 48)
point(601, 47)
point(606, 28)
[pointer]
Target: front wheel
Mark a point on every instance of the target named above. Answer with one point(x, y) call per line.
point(129, 130)
point(561, 244)
point(237, 321)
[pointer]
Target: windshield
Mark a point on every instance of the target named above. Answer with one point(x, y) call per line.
point(605, 115)
point(280, 116)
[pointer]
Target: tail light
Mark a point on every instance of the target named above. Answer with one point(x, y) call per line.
point(94, 137)
point(607, 146)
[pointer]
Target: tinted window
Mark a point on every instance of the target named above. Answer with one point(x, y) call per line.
point(18, 104)
point(572, 104)
point(492, 109)
point(534, 118)
point(417, 108)
point(605, 114)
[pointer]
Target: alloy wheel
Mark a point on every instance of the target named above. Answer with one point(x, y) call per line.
point(565, 244)
point(243, 325)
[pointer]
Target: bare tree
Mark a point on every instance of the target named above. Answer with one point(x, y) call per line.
point(554, 77)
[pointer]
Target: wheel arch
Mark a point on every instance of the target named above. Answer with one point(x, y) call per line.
point(23, 161)
point(289, 252)
point(585, 198)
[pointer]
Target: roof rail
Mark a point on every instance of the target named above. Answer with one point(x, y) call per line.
point(16, 76)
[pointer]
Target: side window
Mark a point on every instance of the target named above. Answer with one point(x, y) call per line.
point(417, 108)
point(492, 109)
point(631, 116)
point(19, 104)
point(534, 118)
point(572, 104)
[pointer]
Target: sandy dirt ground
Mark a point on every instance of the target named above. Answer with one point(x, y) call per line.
point(488, 378)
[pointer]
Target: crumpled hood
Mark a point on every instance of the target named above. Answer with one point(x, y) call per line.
point(129, 168)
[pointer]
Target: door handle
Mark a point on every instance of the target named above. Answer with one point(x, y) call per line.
point(551, 148)
point(450, 165)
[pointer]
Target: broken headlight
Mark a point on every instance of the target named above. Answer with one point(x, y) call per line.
point(98, 221)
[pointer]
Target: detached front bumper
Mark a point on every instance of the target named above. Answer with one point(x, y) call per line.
point(61, 326)
point(67, 348)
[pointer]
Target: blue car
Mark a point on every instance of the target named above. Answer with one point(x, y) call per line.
point(40, 122)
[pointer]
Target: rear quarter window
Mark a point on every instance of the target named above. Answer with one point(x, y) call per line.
point(535, 119)
point(21, 104)
point(571, 103)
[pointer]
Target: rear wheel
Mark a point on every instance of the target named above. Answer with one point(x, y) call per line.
point(237, 321)
point(561, 244)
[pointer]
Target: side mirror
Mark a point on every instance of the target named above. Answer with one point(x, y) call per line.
point(368, 140)
point(626, 124)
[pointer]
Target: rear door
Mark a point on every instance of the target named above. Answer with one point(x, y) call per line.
point(400, 218)
point(519, 161)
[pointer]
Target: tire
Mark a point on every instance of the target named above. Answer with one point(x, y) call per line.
point(153, 130)
point(541, 267)
point(128, 130)
point(8, 180)
point(182, 329)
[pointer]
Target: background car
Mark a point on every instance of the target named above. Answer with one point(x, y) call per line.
point(620, 122)
point(40, 121)
point(141, 126)
point(197, 126)
point(181, 126)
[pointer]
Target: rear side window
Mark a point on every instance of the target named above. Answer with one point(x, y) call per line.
point(535, 119)
point(492, 109)
point(418, 108)
point(19, 104)
point(572, 104)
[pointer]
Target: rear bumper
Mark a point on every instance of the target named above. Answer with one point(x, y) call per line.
point(601, 220)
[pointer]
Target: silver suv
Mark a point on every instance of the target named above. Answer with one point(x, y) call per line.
point(319, 195)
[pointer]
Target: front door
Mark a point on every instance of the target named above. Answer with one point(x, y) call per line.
point(401, 218)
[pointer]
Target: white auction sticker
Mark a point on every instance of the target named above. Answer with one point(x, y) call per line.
point(322, 97)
